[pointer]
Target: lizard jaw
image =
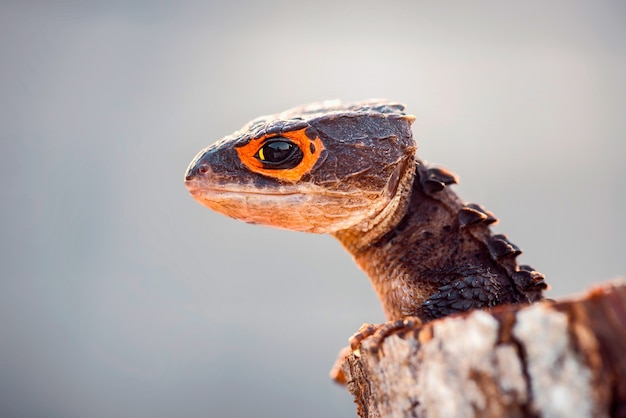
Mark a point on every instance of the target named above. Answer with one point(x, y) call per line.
point(297, 208)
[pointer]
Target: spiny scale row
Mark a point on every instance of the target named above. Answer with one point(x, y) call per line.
point(524, 277)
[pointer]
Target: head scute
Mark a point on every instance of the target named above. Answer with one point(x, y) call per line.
point(291, 144)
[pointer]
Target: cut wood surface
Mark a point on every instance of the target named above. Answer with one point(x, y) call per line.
point(551, 359)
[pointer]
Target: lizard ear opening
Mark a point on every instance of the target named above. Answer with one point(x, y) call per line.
point(287, 156)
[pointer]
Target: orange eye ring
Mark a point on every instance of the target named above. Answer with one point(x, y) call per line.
point(252, 155)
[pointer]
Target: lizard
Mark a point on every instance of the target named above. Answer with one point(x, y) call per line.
point(351, 171)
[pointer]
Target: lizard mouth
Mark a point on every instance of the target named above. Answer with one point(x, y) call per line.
point(197, 188)
point(243, 200)
point(205, 188)
point(295, 207)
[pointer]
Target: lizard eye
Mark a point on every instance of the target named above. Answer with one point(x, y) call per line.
point(285, 157)
point(279, 154)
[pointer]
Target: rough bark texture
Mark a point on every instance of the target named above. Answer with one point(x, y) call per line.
point(563, 359)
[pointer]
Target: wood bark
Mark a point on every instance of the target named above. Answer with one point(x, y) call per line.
point(551, 359)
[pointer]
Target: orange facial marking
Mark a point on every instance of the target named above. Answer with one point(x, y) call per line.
point(248, 152)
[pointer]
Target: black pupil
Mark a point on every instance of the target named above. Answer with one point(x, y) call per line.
point(279, 154)
point(275, 152)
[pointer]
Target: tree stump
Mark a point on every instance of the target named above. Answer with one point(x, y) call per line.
point(551, 359)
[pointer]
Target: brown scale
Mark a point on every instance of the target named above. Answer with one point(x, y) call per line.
point(351, 171)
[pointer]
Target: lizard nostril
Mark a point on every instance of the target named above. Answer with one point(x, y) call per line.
point(194, 172)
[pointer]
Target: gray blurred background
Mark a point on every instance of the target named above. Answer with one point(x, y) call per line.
point(120, 296)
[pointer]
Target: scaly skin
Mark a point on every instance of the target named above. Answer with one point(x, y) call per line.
point(351, 171)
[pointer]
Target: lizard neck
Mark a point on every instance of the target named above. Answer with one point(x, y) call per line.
point(430, 240)
point(372, 229)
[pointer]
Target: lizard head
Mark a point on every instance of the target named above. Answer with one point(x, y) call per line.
point(324, 167)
